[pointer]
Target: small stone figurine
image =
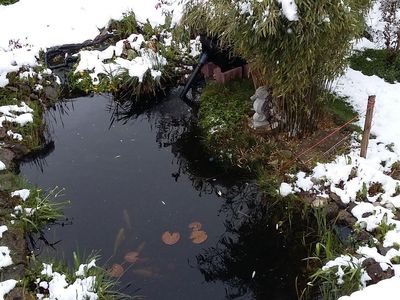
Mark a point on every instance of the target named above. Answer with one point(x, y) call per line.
point(261, 107)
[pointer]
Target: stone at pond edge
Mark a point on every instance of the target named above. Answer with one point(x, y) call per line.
point(3, 133)
point(337, 200)
point(345, 218)
point(375, 271)
point(6, 156)
point(332, 210)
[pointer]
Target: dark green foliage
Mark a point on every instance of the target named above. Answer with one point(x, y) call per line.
point(222, 117)
point(7, 2)
point(377, 62)
point(297, 59)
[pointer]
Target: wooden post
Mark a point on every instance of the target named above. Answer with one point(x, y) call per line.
point(367, 125)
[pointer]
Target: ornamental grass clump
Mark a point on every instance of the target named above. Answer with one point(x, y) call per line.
point(296, 47)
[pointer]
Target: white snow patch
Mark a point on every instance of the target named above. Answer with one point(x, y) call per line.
point(2, 166)
point(5, 258)
point(289, 9)
point(60, 289)
point(15, 136)
point(20, 114)
point(23, 194)
point(3, 228)
point(6, 287)
point(387, 289)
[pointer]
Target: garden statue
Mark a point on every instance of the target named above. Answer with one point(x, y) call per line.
point(261, 107)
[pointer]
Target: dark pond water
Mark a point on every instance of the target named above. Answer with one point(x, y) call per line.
point(139, 175)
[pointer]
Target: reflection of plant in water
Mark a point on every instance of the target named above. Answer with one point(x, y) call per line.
point(252, 256)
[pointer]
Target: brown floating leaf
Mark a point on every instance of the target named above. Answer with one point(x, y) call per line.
point(116, 270)
point(195, 226)
point(170, 238)
point(132, 257)
point(198, 236)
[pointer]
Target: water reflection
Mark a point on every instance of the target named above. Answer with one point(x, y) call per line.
point(173, 166)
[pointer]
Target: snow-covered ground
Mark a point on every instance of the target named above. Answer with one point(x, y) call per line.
point(40, 24)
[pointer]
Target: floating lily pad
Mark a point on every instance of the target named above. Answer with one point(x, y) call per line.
point(195, 226)
point(116, 270)
point(170, 238)
point(198, 236)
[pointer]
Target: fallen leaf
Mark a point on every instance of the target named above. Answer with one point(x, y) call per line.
point(198, 236)
point(131, 257)
point(116, 270)
point(170, 238)
point(195, 226)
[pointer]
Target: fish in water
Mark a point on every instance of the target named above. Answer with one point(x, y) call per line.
point(119, 239)
point(127, 219)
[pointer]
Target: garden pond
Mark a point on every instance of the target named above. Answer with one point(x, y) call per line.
point(130, 175)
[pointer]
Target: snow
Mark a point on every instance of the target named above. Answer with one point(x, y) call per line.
point(27, 210)
point(15, 136)
point(79, 21)
point(6, 287)
point(5, 258)
point(83, 268)
point(60, 289)
point(2, 166)
point(20, 114)
point(289, 9)
point(3, 228)
point(386, 289)
point(285, 189)
point(23, 194)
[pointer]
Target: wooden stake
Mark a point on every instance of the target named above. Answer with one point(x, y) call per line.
point(367, 125)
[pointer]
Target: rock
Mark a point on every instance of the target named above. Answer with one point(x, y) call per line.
point(383, 250)
point(51, 93)
point(6, 156)
point(375, 271)
point(319, 202)
point(332, 210)
point(337, 200)
point(367, 214)
point(345, 218)
point(19, 150)
point(3, 133)
point(362, 236)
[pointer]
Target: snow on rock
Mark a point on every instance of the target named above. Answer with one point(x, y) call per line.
point(289, 9)
point(94, 61)
point(20, 114)
point(6, 287)
point(5, 258)
point(23, 194)
point(60, 289)
point(3, 228)
point(15, 136)
point(387, 289)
